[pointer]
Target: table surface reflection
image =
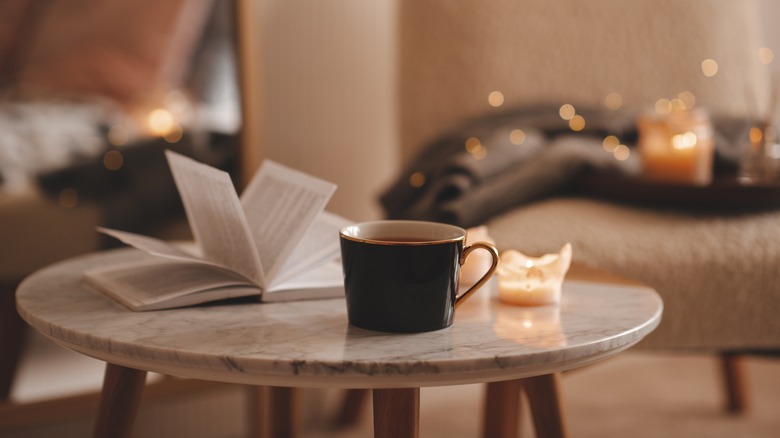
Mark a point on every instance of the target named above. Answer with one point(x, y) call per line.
point(310, 343)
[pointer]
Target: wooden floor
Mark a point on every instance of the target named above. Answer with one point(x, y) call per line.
point(644, 394)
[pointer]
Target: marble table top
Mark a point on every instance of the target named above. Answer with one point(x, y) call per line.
point(310, 343)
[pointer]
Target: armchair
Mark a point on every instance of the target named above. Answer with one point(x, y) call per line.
point(715, 272)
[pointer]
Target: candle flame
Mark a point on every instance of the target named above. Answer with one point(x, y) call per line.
point(684, 141)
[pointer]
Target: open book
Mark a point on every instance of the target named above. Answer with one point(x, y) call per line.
point(275, 242)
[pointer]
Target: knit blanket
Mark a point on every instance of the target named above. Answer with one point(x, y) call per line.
point(486, 167)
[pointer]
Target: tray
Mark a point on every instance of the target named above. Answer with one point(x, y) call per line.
point(724, 193)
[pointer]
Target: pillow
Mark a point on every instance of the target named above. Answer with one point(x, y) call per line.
point(116, 49)
point(14, 27)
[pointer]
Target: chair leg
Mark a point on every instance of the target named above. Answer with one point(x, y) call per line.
point(273, 411)
point(12, 334)
point(735, 384)
point(352, 406)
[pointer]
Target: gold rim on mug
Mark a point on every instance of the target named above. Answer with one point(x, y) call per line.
point(461, 237)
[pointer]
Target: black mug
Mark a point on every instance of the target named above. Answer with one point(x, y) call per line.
point(402, 276)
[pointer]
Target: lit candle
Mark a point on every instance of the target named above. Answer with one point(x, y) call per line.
point(677, 147)
point(532, 281)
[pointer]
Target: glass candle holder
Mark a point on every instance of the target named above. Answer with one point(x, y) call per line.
point(760, 161)
point(677, 147)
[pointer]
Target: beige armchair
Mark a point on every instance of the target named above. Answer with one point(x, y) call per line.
point(716, 273)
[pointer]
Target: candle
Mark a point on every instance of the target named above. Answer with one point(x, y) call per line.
point(532, 281)
point(479, 261)
point(677, 147)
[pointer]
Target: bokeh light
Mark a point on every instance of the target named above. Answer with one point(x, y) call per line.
point(68, 197)
point(613, 101)
point(610, 142)
point(687, 98)
point(160, 122)
point(496, 98)
point(663, 106)
point(118, 135)
point(622, 152)
point(577, 123)
point(766, 55)
point(567, 111)
point(472, 144)
point(113, 160)
point(709, 67)
point(517, 136)
point(417, 179)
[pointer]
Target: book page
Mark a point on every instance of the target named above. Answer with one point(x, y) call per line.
point(215, 216)
point(151, 245)
point(320, 244)
point(280, 204)
point(157, 284)
point(325, 281)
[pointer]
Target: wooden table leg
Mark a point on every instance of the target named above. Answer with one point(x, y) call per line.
point(501, 415)
point(257, 411)
point(273, 412)
point(119, 400)
point(397, 413)
point(546, 408)
point(283, 412)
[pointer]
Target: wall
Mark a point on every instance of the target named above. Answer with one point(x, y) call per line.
point(569, 51)
point(329, 95)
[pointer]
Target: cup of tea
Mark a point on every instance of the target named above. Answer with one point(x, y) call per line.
point(402, 276)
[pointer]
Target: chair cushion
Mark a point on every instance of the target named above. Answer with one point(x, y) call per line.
point(717, 273)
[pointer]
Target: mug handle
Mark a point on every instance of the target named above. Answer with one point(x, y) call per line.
point(466, 251)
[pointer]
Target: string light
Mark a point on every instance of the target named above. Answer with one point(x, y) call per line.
point(566, 111)
point(479, 153)
point(577, 123)
point(765, 55)
point(174, 135)
point(687, 98)
point(417, 179)
point(663, 106)
point(496, 98)
point(613, 101)
point(113, 160)
point(709, 67)
point(517, 137)
point(68, 197)
point(472, 144)
point(160, 121)
point(621, 152)
point(610, 142)
point(475, 148)
point(118, 135)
